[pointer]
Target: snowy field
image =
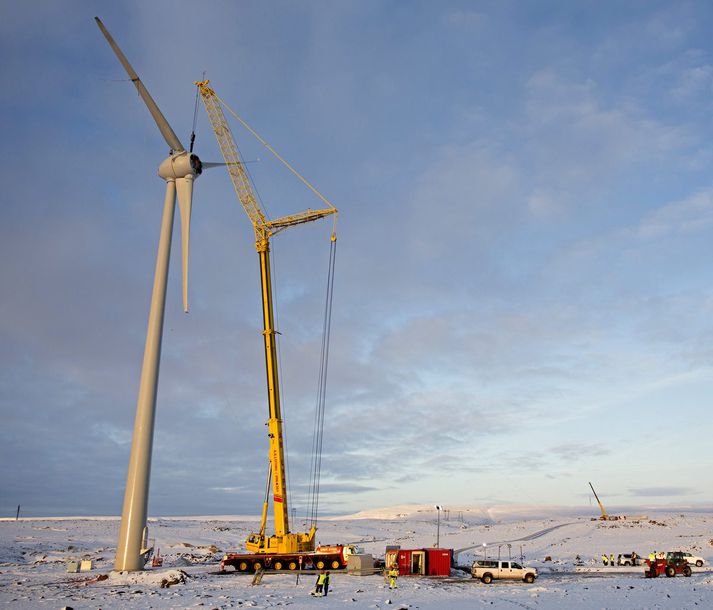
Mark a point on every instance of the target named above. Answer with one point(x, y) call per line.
point(34, 554)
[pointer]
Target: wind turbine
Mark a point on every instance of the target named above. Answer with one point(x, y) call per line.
point(179, 170)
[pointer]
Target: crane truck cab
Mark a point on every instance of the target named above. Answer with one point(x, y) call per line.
point(338, 553)
point(489, 570)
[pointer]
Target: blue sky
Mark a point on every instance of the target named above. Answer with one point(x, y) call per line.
point(524, 292)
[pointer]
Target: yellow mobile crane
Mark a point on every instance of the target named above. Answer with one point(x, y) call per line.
point(284, 549)
point(604, 516)
point(607, 517)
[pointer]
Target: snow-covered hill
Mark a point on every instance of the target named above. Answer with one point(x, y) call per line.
point(34, 552)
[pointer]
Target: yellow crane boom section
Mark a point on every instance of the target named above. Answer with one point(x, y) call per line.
point(283, 541)
point(263, 227)
point(604, 516)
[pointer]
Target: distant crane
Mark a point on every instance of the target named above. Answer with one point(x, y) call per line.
point(604, 516)
point(278, 549)
point(607, 517)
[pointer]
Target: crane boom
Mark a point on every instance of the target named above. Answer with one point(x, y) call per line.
point(604, 516)
point(283, 541)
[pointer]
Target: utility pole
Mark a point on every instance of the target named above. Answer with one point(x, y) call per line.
point(17, 516)
point(439, 508)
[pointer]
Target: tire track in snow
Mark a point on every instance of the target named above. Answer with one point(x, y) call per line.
point(534, 536)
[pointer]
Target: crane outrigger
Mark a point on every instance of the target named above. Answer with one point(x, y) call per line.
point(284, 549)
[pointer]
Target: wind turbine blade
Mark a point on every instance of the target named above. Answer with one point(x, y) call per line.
point(184, 190)
point(168, 133)
point(212, 164)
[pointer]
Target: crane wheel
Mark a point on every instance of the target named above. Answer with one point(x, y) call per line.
point(243, 566)
point(336, 565)
point(257, 566)
point(292, 566)
point(687, 571)
point(320, 565)
point(278, 565)
point(670, 571)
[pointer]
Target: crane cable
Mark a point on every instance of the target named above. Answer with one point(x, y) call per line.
point(316, 466)
point(195, 118)
point(274, 152)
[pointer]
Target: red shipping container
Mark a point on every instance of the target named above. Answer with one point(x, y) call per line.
point(438, 562)
point(421, 562)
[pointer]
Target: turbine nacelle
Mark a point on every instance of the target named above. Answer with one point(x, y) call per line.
point(180, 165)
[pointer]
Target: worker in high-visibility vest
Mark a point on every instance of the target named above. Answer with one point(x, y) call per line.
point(319, 585)
point(605, 559)
point(652, 556)
point(393, 575)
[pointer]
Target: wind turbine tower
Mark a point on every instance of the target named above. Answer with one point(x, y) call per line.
point(179, 170)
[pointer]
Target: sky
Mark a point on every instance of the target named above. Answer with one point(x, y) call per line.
point(523, 294)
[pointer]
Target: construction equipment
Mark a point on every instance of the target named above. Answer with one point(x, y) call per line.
point(671, 564)
point(607, 517)
point(284, 549)
point(604, 516)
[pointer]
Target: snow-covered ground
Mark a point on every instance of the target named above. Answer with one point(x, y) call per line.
point(34, 554)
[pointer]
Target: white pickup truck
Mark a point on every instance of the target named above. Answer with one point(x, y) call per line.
point(489, 570)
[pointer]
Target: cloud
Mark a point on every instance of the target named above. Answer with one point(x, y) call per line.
point(523, 228)
point(574, 451)
point(690, 215)
point(663, 491)
point(693, 82)
point(336, 488)
point(581, 138)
